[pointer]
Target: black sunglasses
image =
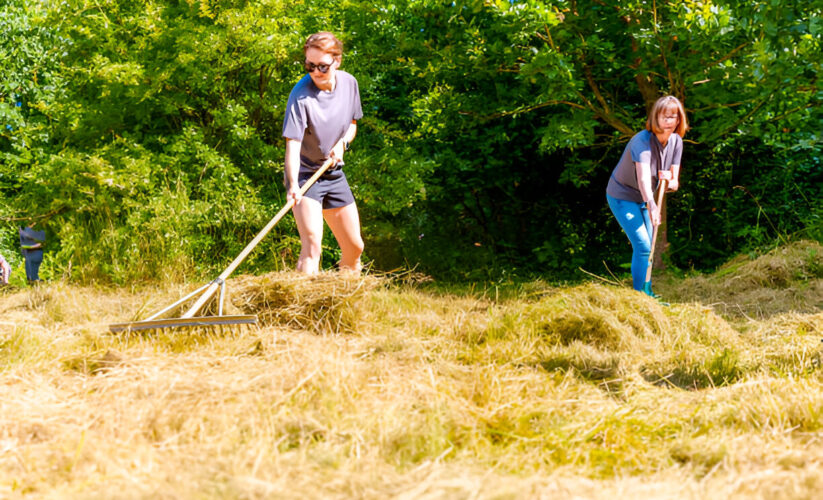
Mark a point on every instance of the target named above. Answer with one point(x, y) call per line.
point(310, 67)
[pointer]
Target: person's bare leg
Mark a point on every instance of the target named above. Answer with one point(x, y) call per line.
point(345, 224)
point(309, 217)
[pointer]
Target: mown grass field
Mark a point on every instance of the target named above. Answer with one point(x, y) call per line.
point(378, 388)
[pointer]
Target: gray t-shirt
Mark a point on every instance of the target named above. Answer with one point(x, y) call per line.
point(643, 148)
point(319, 119)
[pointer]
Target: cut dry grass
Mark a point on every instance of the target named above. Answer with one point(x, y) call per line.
point(326, 302)
point(360, 388)
point(787, 279)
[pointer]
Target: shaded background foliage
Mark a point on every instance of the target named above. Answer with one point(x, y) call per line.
point(145, 135)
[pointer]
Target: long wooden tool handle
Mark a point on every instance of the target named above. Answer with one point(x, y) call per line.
point(262, 234)
point(660, 195)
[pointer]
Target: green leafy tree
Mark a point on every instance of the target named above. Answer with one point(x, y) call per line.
point(526, 106)
point(146, 135)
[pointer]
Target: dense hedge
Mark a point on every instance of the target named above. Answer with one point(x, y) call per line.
point(145, 135)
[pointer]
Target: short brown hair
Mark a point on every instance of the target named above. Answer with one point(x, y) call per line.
point(666, 103)
point(326, 42)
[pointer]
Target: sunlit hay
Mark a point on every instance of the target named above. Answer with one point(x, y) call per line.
point(39, 300)
point(612, 335)
point(693, 324)
point(799, 261)
point(606, 318)
point(14, 313)
point(437, 396)
point(428, 314)
point(75, 306)
point(701, 370)
point(57, 303)
point(789, 344)
point(776, 481)
point(764, 405)
point(767, 458)
point(412, 324)
point(64, 306)
point(699, 350)
point(25, 345)
point(583, 329)
point(327, 302)
point(147, 301)
point(606, 369)
point(701, 452)
point(41, 324)
point(537, 288)
point(511, 419)
point(789, 278)
point(232, 339)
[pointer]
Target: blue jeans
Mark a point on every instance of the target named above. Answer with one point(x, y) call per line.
point(33, 260)
point(634, 218)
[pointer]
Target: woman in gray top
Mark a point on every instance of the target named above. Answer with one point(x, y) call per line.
point(320, 122)
point(651, 155)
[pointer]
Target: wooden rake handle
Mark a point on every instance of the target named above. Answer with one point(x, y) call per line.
point(660, 195)
point(213, 287)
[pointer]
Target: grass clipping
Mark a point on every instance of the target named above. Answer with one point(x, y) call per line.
point(324, 303)
point(610, 335)
point(789, 278)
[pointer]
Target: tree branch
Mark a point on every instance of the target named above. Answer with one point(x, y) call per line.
point(793, 110)
point(35, 217)
point(729, 55)
point(521, 110)
point(607, 117)
point(593, 85)
point(741, 120)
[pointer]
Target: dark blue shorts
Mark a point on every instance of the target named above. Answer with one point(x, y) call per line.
point(331, 189)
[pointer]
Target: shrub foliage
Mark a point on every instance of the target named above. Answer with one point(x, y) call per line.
point(145, 135)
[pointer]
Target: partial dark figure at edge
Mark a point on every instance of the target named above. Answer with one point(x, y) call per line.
point(31, 244)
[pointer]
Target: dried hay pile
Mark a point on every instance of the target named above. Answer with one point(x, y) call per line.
point(549, 392)
point(789, 278)
point(607, 317)
point(327, 302)
point(612, 335)
point(788, 344)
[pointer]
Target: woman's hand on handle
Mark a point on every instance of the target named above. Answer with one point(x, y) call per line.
point(674, 179)
point(294, 193)
point(338, 150)
point(671, 180)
